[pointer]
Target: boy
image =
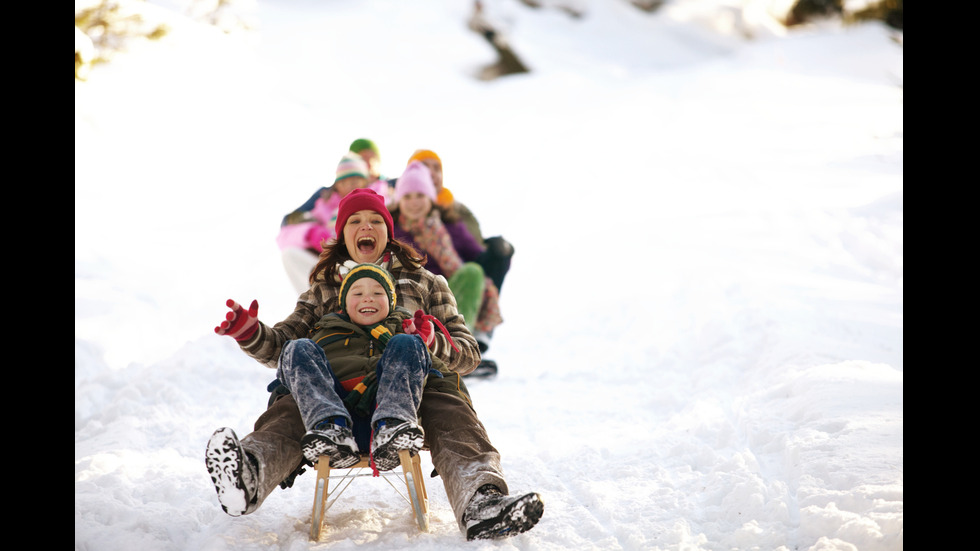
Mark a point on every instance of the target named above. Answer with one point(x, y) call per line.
point(364, 360)
point(357, 380)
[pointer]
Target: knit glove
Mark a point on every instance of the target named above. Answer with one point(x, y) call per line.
point(419, 325)
point(239, 324)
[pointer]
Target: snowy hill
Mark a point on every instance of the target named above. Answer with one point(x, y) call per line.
point(741, 389)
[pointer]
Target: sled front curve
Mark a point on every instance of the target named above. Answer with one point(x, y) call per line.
point(325, 496)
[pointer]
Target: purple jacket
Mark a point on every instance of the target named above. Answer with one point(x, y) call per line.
point(466, 246)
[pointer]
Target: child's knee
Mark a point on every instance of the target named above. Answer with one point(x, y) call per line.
point(404, 341)
point(468, 280)
point(499, 247)
point(408, 349)
point(471, 270)
point(298, 346)
point(298, 353)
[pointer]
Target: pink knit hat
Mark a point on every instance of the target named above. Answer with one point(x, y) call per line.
point(416, 178)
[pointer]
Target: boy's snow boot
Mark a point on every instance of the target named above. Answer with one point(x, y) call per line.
point(392, 436)
point(493, 515)
point(331, 437)
point(233, 473)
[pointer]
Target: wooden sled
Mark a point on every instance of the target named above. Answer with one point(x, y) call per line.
point(325, 497)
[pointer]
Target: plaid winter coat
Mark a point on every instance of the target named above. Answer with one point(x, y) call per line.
point(415, 288)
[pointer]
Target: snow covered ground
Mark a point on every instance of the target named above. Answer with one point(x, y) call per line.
point(703, 345)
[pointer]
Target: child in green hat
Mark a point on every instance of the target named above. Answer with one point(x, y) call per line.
point(358, 379)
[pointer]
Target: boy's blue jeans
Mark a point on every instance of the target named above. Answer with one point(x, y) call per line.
point(402, 368)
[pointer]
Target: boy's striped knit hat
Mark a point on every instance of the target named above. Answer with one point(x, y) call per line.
point(351, 164)
point(374, 272)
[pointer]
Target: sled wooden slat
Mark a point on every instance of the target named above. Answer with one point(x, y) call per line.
point(324, 497)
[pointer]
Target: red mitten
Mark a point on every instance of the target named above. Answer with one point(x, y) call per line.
point(421, 326)
point(239, 324)
point(425, 330)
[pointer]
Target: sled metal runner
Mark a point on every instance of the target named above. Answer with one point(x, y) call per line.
point(325, 497)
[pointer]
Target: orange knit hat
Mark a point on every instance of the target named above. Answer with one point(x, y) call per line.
point(423, 154)
point(445, 197)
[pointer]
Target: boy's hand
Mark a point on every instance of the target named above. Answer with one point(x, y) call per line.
point(239, 324)
point(427, 332)
point(421, 326)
